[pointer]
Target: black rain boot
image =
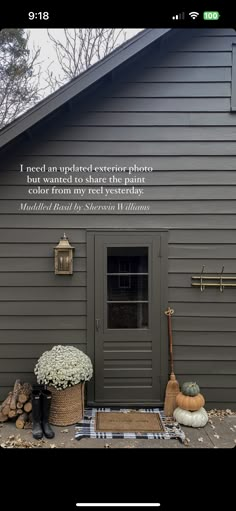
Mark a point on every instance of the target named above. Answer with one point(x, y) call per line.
point(46, 398)
point(37, 431)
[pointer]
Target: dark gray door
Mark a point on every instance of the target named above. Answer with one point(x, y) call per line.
point(127, 308)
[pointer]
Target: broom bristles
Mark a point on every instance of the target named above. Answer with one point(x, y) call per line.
point(172, 389)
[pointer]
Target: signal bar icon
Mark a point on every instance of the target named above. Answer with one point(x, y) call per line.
point(180, 16)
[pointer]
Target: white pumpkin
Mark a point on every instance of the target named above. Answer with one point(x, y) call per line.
point(196, 419)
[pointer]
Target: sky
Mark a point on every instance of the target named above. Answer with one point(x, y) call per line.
point(39, 39)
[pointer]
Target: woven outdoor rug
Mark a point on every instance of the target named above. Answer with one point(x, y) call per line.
point(88, 427)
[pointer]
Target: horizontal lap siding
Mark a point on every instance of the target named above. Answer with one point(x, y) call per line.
point(149, 193)
point(168, 89)
point(150, 133)
point(35, 264)
point(128, 148)
point(37, 308)
point(158, 178)
point(174, 221)
point(150, 206)
point(187, 104)
point(169, 163)
point(170, 111)
point(42, 279)
point(151, 119)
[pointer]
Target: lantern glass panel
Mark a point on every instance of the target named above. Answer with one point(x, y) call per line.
point(63, 260)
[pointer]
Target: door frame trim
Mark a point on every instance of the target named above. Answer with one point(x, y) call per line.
point(91, 233)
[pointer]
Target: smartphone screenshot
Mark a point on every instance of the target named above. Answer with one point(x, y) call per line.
point(118, 246)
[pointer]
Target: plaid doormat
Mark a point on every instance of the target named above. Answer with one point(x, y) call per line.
point(86, 428)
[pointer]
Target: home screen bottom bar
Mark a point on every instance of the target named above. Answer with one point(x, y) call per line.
point(118, 504)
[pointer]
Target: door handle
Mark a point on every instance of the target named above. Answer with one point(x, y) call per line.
point(97, 325)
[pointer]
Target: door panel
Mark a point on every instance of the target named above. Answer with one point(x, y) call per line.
point(127, 306)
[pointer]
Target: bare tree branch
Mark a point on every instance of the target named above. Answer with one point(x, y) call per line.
point(79, 49)
point(19, 74)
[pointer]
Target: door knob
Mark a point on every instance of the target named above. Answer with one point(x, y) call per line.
point(97, 324)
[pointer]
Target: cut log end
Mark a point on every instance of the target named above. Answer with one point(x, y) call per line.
point(21, 421)
point(28, 406)
point(5, 410)
point(5, 407)
point(12, 414)
point(3, 418)
point(16, 390)
point(25, 393)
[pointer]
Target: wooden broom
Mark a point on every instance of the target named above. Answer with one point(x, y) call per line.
point(172, 388)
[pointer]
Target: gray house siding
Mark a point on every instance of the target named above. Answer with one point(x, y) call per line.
point(170, 110)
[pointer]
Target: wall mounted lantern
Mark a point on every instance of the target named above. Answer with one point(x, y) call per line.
point(63, 257)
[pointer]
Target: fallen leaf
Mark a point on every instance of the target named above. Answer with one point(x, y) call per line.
point(107, 446)
point(186, 441)
point(213, 427)
point(235, 441)
point(232, 429)
point(11, 437)
point(52, 446)
point(20, 444)
point(28, 425)
point(216, 436)
point(220, 413)
point(64, 430)
point(234, 426)
point(200, 439)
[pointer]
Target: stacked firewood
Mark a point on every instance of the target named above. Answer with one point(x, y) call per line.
point(17, 405)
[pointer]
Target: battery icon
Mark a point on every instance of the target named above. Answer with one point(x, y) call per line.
point(211, 15)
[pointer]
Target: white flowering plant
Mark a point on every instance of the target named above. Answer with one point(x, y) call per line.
point(63, 366)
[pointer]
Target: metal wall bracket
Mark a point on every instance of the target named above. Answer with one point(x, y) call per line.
point(217, 280)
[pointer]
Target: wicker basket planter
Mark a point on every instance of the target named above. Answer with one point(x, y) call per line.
point(67, 405)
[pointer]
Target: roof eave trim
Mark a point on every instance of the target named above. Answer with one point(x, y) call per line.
point(82, 82)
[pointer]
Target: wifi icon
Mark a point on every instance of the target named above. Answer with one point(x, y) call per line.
point(194, 15)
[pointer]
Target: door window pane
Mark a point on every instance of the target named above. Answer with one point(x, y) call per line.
point(127, 315)
point(127, 260)
point(127, 287)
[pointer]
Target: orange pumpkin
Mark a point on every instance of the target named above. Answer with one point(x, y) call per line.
point(190, 403)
